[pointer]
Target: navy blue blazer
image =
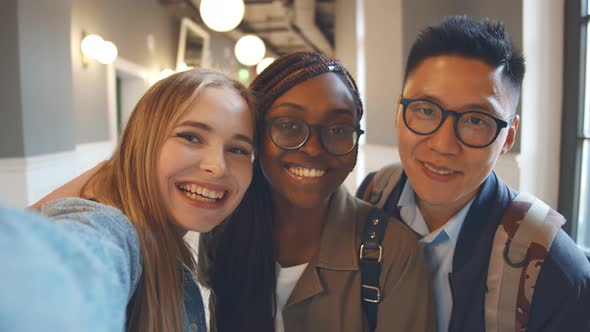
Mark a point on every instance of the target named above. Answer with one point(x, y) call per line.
point(561, 301)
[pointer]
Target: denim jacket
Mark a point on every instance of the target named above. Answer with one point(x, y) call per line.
point(75, 271)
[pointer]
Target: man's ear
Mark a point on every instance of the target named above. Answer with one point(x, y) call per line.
point(511, 137)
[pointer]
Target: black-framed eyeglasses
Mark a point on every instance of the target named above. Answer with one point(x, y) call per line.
point(291, 133)
point(473, 128)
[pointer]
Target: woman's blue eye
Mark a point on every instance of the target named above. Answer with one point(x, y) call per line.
point(189, 137)
point(238, 150)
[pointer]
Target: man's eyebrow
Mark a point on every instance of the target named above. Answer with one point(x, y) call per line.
point(473, 106)
point(206, 127)
point(485, 108)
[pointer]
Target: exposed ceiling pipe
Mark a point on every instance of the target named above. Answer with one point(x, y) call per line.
point(303, 22)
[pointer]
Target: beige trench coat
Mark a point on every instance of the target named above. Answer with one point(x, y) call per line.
point(327, 296)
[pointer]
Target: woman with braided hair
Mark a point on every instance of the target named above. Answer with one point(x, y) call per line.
point(288, 259)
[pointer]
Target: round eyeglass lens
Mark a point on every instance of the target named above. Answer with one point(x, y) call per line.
point(476, 128)
point(339, 138)
point(422, 117)
point(288, 132)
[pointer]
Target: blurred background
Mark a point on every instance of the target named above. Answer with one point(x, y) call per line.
point(74, 69)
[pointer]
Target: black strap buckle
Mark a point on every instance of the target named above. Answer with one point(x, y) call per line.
point(375, 297)
point(363, 256)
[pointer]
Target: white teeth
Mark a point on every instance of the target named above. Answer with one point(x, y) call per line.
point(307, 172)
point(201, 193)
point(199, 197)
point(438, 171)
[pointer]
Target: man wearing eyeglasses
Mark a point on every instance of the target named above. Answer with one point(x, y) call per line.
point(455, 117)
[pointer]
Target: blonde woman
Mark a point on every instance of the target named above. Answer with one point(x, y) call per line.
point(183, 163)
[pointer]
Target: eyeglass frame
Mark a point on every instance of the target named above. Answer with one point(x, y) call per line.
point(456, 115)
point(310, 128)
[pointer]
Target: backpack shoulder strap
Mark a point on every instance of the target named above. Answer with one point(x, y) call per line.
point(370, 254)
point(521, 243)
point(383, 182)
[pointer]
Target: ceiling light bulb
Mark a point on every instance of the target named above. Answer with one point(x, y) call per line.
point(249, 50)
point(222, 15)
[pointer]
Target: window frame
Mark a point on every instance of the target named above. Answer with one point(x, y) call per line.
point(575, 52)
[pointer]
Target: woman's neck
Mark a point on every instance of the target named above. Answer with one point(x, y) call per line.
point(297, 230)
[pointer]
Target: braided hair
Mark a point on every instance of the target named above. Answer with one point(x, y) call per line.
point(294, 68)
point(239, 256)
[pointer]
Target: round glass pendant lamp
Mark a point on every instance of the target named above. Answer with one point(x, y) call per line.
point(222, 15)
point(249, 50)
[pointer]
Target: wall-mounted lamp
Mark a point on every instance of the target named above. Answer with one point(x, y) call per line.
point(95, 48)
point(249, 50)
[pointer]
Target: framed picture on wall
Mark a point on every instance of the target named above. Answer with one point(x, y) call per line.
point(193, 46)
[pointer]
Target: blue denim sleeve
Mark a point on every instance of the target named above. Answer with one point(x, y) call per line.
point(74, 269)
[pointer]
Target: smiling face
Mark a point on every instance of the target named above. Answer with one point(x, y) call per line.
point(307, 176)
point(443, 171)
point(204, 166)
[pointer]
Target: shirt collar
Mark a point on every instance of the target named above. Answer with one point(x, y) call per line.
point(411, 215)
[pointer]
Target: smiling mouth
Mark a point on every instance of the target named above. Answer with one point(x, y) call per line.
point(437, 170)
point(200, 193)
point(303, 172)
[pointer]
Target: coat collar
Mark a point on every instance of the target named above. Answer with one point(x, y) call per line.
point(339, 244)
point(340, 239)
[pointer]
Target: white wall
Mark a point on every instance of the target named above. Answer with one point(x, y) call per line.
point(384, 67)
point(26, 180)
point(542, 98)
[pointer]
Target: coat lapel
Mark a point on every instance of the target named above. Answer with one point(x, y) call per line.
point(308, 285)
point(338, 248)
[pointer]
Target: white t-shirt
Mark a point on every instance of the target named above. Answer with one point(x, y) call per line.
point(287, 278)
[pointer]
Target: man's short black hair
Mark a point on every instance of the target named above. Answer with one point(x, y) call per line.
point(485, 40)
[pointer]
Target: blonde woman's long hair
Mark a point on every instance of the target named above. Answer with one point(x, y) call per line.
point(128, 182)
